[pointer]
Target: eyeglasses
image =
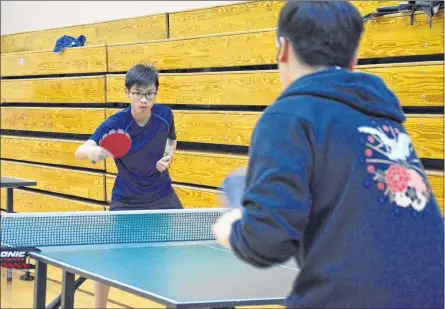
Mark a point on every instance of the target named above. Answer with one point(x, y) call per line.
point(139, 95)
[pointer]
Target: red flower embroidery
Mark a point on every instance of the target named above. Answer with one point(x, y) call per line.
point(389, 159)
point(380, 186)
point(397, 178)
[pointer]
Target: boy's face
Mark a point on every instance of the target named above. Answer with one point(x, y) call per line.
point(141, 97)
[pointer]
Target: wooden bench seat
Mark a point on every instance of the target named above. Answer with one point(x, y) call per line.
point(235, 128)
point(28, 201)
point(393, 36)
point(436, 181)
point(86, 89)
point(44, 150)
point(418, 84)
point(228, 128)
point(426, 132)
point(210, 169)
point(251, 15)
point(54, 120)
point(193, 197)
point(247, 48)
point(190, 196)
point(143, 28)
point(259, 47)
point(58, 180)
point(45, 62)
point(198, 168)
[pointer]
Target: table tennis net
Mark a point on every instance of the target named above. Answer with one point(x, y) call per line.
point(89, 228)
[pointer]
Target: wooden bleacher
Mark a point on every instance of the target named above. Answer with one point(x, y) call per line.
point(54, 90)
point(88, 59)
point(52, 119)
point(44, 150)
point(259, 47)
point(416, 84)
point(52, 102)
point(115, 31)
point(239, 17)
point(185, 40)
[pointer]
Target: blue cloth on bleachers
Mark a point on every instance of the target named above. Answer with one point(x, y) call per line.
point(67, 41)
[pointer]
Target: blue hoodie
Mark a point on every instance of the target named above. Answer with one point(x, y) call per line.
point(334, 182)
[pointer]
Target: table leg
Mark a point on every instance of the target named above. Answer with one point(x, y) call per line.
point(40, 286)
point(68, 289)
point(55, 304)
point(9, 209)
point(9, 200)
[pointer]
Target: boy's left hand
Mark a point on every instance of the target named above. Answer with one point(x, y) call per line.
point(164, 163)
point(223, 227)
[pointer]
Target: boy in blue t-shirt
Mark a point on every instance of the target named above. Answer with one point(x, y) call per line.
point(143, 181)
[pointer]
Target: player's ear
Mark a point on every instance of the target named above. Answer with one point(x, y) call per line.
point(283, 52)
point(354, 62)
point(127, 92)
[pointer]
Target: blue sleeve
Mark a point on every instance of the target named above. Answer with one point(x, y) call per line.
point(277, 199)
point(103, 128)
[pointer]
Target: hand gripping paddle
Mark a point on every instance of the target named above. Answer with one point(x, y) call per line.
point(117, 142)
point(233, 188)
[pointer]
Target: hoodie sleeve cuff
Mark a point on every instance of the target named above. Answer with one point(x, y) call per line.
point(242, 250)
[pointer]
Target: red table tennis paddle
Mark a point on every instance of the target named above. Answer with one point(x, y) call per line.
point(117, 142)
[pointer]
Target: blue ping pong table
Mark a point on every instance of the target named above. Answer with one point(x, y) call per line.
point(168, 256)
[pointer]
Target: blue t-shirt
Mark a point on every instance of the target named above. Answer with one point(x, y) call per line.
point(138, 180)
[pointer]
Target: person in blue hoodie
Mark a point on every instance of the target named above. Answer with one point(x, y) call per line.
point(333, 180)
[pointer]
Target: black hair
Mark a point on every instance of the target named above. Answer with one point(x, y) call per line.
point(142, 75)
point(322, 33)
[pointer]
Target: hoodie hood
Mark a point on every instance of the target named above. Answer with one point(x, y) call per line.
point(362, 91)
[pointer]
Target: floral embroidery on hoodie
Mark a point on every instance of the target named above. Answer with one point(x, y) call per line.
point(390, 159)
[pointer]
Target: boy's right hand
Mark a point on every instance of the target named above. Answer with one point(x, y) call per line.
point(97, 153)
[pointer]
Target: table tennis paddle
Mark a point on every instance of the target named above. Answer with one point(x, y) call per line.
point(233, 188)
point(117, 142)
